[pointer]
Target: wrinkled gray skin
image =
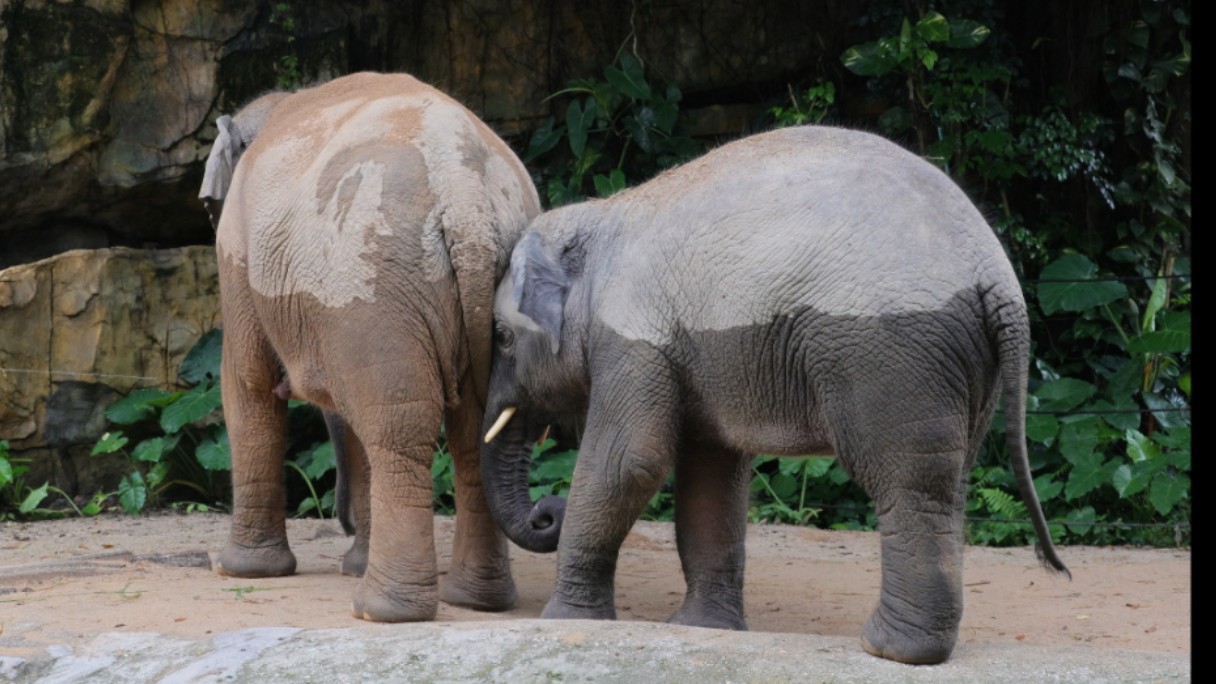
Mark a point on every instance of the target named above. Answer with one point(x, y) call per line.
point(233, 135)
point(801, 291)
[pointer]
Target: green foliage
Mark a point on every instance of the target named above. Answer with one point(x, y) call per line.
point(282, 17)
point(811, 107)
point(177, 443)
point(618, 130)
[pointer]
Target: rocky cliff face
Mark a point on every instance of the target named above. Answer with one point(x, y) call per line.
point(107, 111)
point(84, 327)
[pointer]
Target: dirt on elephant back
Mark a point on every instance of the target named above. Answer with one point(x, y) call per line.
point(64, 582)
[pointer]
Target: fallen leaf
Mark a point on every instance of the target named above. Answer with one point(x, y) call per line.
point(1082, 617)
point(107, 546)
point(179, 619)
point(1150, 630)
point(1020, 637)
point(1132, 605)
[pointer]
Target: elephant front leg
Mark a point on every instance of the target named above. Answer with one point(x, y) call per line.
point(920, 519)
point(401, 580)
point(623, 460)
point(711, 523)
point(257, 429)
point(480, 573)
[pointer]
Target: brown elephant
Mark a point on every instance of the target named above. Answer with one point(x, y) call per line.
point(360, 242)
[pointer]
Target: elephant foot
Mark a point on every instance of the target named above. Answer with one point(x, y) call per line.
point(354, 561)
point(371, 603)
point(467, 590)
point(715, 617)
point(880, 638)
point(557, 610)
point(255, 561)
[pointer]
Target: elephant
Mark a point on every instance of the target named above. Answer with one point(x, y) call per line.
point(807, 290)
point(360, 242)
point(233, 135)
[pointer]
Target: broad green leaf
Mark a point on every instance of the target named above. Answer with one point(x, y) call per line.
point(929, 59)
point(1085, 478)
point(1130, 479)
point(157, 474)
point(1155, 302)
point(904, 50)
point(1079, 517)
point(1075, 294)
point(1047, 487)
point(603, 185)
point(631, 85)
point(558, 466)
point(132, 493)
point(109, 443)
point(544, 138)
point(194, 405)
point(837, 474)
point(967, 34)
point(203, 360)
point(1184, 384)
point(34, 498)
point(578, 123)
point(933, 28)
point(1122, 416)
point(1167, 490)
point(817, 466)
point(1177, 438)
point(1063, 394)
point(783, 485)
point(1140, 447)
point(1042, 429)
point(6, 471)
point(138, 405)
point(215, 452)
point(1078, 440)
point(152, 450)
point(317, 461)
point(306, 505)
point(1161, 342)
point(868, 59)
point(1168, 414)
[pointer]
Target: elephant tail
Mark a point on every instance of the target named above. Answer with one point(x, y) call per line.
point(1007, 306)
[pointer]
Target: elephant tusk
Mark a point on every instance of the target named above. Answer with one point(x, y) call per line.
point(503, 419)
point(544, 435)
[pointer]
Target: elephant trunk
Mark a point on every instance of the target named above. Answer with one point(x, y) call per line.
point(505, 461)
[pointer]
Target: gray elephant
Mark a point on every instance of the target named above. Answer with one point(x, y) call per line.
point(359, 245)
point(794, 292)
point(234, 134)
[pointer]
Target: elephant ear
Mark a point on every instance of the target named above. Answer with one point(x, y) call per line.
point(217, 174)
point(539, 285)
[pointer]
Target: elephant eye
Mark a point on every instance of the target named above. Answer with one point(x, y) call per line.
point(503, 336)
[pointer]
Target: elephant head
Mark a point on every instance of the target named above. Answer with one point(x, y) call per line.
point(233, 136)
point(538, 374)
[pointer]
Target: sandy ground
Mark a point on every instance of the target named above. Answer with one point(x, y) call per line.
point(65, 582)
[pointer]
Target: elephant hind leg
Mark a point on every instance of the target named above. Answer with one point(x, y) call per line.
point(915, 484)
point(257, 429)
point(711, 523)
point(401, 580)
point(353, 499)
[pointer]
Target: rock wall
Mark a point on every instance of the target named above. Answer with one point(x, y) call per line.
point(80, 329)
point(107, 107)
